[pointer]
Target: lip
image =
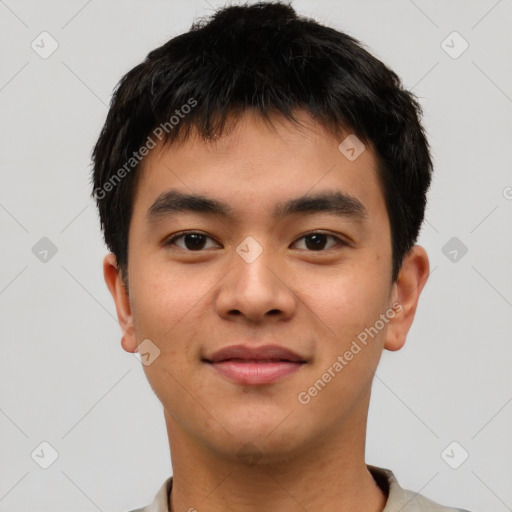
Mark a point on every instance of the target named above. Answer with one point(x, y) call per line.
point(255, 365)
point(255, 372)
point(266, 353)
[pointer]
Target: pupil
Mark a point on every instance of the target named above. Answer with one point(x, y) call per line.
point(318, 241)
point(194, 241)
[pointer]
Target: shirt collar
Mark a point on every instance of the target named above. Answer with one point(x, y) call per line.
point(396, 498)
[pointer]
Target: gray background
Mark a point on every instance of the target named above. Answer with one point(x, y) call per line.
point(64, 377)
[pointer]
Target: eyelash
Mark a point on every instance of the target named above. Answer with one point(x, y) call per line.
point(340, 242)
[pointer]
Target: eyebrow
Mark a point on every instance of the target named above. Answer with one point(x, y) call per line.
point(334, 202)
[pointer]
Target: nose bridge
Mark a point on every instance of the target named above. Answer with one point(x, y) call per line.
point(254, 287)
point(256, 273)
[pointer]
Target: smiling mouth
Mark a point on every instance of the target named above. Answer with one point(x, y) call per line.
point(255, 372)
point(254, 360)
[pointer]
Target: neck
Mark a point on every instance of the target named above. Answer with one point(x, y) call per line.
point(328, 474)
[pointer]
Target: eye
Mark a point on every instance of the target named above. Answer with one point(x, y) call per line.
point(191, 241)
point(317, 241)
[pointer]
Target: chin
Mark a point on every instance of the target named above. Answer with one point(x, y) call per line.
point(256, 444)
point(251, 452)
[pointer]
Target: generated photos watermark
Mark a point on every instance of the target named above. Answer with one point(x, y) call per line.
point(137, 156)
point(304, 397)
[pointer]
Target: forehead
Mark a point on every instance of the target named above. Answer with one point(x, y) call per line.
point(255, 166)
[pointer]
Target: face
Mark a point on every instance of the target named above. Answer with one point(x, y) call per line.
point(313, 277)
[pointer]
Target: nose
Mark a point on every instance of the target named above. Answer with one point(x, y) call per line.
point(256, 290)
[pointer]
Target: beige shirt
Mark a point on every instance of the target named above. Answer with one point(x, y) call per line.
point(399, 500)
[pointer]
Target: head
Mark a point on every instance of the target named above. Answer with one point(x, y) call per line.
point(290, 133)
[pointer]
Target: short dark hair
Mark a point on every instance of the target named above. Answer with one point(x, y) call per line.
point(266, 58)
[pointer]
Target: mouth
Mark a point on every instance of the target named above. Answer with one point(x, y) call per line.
point(255, 372)
point(255, 366)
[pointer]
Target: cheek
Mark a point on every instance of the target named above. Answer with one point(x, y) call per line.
point(167, 309)
point(164, 296)
point(346, 308)
point(349, 298)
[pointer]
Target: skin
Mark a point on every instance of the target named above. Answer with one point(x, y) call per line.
point(315, 302)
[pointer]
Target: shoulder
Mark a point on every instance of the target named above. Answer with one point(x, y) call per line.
point(403, 500)
point(160, 501)
point(418, 502)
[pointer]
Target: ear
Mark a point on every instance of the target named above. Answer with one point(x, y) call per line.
point(405, 295)
point(121, 298)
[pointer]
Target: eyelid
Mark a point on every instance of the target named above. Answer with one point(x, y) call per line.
point(169, 240)
point(343, 242)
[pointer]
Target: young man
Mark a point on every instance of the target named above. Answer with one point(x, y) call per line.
point(261, 182)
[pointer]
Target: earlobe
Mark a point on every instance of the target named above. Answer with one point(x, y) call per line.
point(121, 298)
point(411, 279)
